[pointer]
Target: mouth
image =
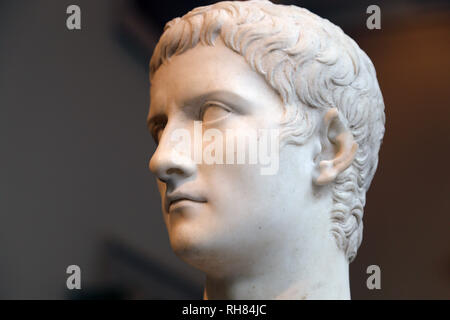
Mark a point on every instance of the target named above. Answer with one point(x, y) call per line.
point(175, 198)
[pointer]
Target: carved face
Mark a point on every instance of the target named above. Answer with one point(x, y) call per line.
point(225, 218)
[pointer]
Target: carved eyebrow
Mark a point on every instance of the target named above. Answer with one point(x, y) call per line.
point(229, 98)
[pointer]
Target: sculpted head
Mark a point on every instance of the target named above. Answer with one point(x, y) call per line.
point(247, 67)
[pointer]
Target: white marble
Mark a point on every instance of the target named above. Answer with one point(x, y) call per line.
point(286, 220)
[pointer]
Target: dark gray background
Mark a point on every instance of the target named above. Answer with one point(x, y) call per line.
point(75, 185)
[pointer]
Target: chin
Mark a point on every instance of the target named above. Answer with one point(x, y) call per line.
point(203, 253)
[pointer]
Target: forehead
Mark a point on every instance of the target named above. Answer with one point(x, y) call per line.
point(204, 69)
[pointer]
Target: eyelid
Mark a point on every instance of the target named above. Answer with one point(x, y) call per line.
point(210, 103)
point(216, 103)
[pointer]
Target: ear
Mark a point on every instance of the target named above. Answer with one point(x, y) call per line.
point(338, 137)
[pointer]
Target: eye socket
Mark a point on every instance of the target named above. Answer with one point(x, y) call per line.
point(156, 125)
point(157, 131)
point(214, 112)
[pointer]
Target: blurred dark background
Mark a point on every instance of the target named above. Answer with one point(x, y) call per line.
point(75, 188)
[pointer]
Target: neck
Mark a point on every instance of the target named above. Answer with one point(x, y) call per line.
point(321, 274)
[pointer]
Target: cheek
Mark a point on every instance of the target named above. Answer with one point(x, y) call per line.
point(247, 210)
point(239, 193)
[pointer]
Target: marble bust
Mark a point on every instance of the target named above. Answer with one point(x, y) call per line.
point(277, 215)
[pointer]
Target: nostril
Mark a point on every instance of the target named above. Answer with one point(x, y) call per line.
point(175, 171)
point(163, 180)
